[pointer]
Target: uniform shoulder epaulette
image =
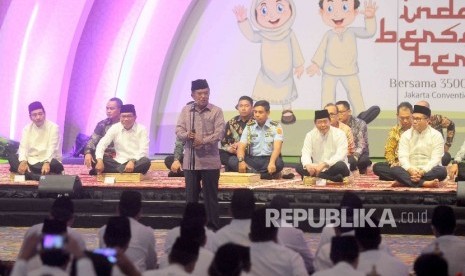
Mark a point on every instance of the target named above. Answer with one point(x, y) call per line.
point(251, 123)
point(274, 123)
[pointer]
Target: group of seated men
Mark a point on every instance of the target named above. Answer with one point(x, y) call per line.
point(415, 151)
point(118, 144)
point(252, 142)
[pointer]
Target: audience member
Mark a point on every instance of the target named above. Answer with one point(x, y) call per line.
point(62, 210)
point(194, 230)
point(430, 265)
point(113, 110)
point(54, 261)
point(39, 150)
point(182, 259)
point(371, 257)
point(344, 254)
point(192, 211)
point(141, 249)
point(230, 260)
point(238, 230)
point(117, 235)
point(291, 237)
point(451, 247)
point(266, 255)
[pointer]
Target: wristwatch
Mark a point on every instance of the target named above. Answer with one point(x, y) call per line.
point(241, 159)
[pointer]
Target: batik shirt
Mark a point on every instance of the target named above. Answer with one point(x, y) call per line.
point(392, 145)
point(100, 131)
point(233, 131)
point(439, 122)
point(360, 132)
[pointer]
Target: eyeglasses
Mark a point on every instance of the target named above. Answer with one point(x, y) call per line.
point(343, 111)
point(418, 119)
point(332, 114)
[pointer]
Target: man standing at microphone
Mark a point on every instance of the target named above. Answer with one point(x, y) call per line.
point(201, 127)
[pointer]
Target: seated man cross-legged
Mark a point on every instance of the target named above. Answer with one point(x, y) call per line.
point(131, 146)
point(263, 138)
point(324, 153)
point(420, 151)
point(39, 150)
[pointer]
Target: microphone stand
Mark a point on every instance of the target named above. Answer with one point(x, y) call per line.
point(192, 161)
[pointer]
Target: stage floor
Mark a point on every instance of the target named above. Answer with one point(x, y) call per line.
point(159, 180)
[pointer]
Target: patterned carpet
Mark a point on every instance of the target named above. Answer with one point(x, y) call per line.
point(159, 179)
point(406, 247)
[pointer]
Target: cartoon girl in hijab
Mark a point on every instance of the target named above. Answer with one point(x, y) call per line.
point(270, 24)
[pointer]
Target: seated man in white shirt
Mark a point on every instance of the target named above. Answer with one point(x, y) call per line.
point(194, 230)
point(451, 247)
point(344, 253)
point(117, 235)
point(39, 149)
point(420, 151)
point(266, 255)
point(54, 260)
point(350, 200)
point(324, 153)
point(291, 237)
point(131, 144)
point(371, 258)
point(231, 259)
point(192, 211)
point(431, 264)
point(182, 259)
point(62, 210)
point(141, 249)
point(238, 230)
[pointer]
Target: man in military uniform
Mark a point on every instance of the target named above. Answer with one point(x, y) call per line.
point(234, 129)
point(262, 139)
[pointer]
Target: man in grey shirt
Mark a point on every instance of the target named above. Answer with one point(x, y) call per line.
point(201, 126)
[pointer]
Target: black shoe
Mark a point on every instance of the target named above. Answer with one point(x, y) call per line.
point(92, 172)
point(176, 174)
point(288, 176)
point(370, 114)
point(266, 176)
point(337, 178)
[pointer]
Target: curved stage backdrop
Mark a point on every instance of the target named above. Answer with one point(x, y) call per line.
point(75, 55)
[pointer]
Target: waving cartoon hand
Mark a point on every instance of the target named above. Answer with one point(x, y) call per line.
point(240, 12)
point(370, 9)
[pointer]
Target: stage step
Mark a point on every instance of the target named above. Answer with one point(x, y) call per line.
point(90, 213)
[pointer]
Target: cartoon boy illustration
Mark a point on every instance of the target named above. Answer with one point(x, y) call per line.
point(337, 54)
point(280, 51)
